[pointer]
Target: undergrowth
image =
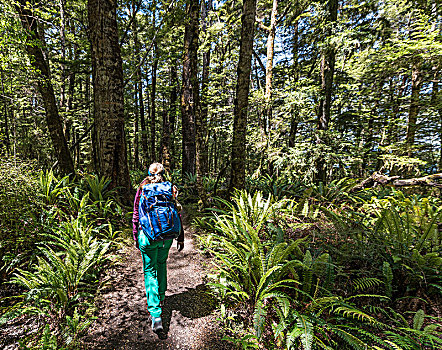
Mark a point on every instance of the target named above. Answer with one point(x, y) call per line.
point(326, 268)
point(57, 237)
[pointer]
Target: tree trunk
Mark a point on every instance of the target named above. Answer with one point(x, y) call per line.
point(137, 85)
point(5, 111)
point(269, 64)
point(436, 102)
point(73, 56)
point(204, 155)
point(39, 63)
point(416, 81)
point(153, 91)
point(295, 117)
point(107, 74)
point(61, 4)
point(172, 112)
point(241, 102)
point(144, 148)
point(190, 93)
point(377, 179)
point(327, 72)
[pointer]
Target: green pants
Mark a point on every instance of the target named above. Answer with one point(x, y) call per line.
point(154, 256)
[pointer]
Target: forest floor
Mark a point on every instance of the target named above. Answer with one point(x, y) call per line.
point(188, 314)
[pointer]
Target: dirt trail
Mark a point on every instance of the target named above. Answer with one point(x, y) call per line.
point(124, 323)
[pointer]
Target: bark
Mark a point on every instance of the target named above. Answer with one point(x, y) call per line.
point(39, 63)
point(144, 148)
point(327, 72)
point(377, 179)
point(436, 102)
point(293, 129)
point(73, 56)
point(172, 112)
point(5, 116)
point(269, 64)
point(61, 4)
point(137, 85)
point(295, 117)
point(241, 101)
point(190, 93)
point(153, 92)
point(416, 82)
point(395, 100)
point(440, 140)
point(165, 141)
point(200, 123)
point(107, 74)
point(204, 153)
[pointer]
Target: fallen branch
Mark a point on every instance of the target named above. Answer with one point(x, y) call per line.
point(377, 179)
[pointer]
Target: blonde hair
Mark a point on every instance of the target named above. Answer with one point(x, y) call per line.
point(155, 174)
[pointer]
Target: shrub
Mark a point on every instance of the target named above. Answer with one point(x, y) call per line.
point(20, 213)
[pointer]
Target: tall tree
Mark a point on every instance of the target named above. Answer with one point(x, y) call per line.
point(7, 141)
point(325, 98)
point(294, 121)
point(204, 131)
point(153, 91)
point(269, 63)
point(241, 103)
point(40, 64)
point(416, 82)
point(190, 88)
point(137, 84)
point(107, 71)
point(173, 112)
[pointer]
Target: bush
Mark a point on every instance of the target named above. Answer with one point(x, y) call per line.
point(20, 213)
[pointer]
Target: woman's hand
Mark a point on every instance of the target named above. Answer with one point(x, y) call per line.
point(180, 246)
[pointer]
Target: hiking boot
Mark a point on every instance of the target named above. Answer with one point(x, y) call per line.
point(157, 324)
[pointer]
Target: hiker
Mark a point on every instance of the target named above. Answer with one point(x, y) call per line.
point(154, 251)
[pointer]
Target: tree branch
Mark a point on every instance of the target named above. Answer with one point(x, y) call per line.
point(132, 17)
point(259, 61)
point(262, 25)
point(146, 53)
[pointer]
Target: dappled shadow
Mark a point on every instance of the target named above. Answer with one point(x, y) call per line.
point(188, 320)
point(180, 309)
point(193, 303)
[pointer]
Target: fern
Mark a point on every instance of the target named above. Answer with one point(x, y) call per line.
point(388, 278)
point(366, 283)
point(418, 319)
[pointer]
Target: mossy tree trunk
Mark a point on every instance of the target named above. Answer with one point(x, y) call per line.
point(108, 85)
point(241, 102)
point(45, 88)
point(190, 88)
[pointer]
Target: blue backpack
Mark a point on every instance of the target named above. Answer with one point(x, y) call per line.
point(157, 211)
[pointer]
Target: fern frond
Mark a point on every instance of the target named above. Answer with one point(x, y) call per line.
point(366, 283)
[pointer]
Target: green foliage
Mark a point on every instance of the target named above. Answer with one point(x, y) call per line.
point(249, 271)
point(61, 276)
point(334, 192)
point(388, 279)
point(20, 209)
point(408, 228)
point(278, 187)
point(315, 281)
point(58, 269)
point(51, 189)
point(98, 187)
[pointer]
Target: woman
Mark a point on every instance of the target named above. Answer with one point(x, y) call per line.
point(154, 253)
